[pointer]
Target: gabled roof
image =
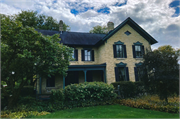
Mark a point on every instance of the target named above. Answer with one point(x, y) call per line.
point(75, 38)
point(135, 26)
point(91, 39)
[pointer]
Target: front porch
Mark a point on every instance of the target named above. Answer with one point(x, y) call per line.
point(76, 74)
point(85, 73)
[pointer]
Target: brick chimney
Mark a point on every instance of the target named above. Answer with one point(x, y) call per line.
point(61, 26)
point(110, 26)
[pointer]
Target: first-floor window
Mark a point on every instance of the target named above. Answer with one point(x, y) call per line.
point(50, 82)
point(121, 74)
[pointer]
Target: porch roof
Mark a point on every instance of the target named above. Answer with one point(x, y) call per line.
point(87, 67)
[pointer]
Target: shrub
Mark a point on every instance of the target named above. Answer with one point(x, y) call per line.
point(129, 89)
point(57, 95)
point(153, 103)
point(94, 91)
point(22, 114)
point(27, 91)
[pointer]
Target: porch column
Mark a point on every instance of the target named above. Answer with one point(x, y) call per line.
point(85, 75)
point(40, 83)
point(104, 71)
point(63, 82)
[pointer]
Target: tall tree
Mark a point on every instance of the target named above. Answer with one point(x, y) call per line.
point(39, 21)
point(162, 71)
point(99, 30)
point(25, 53)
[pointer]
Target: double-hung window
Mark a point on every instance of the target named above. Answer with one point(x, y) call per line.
point(87, 55)
point(119, 50)
point(121, 72)
point(138, 50)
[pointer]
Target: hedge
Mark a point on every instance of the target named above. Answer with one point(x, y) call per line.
point(129, 89)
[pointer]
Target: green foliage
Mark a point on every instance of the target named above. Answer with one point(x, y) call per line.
point(129, 89)
point(22, 48)
point(57, 95)
point(162, 68)
point(22, 114)
point(97, 91)
point(39, 21)
point(99, 30)
point(153, 103)
point(27, 91)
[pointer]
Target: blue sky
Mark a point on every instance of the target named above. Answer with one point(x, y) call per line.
point(160, 18)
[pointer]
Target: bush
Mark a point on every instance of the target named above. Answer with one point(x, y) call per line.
point(129, 89)
point(93, 91)
point(27, 91)
point(153, 103)
point(57, 95)
point(22, 114)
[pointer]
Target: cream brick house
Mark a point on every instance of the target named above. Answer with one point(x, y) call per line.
point(101, 57)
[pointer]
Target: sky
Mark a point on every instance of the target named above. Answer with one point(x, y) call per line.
point(160, 18)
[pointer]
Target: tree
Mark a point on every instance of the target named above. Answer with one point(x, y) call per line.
point(39, 21)
point(99, 30)
point(25, 53)
point(161, 71)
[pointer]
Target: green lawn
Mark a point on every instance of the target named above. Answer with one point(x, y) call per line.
point(109, 111)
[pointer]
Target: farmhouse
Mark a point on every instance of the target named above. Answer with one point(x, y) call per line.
point(101, 57)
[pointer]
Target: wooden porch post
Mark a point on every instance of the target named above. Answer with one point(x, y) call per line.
point(85, 75)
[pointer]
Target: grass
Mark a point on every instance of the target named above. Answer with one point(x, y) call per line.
point(109, 111)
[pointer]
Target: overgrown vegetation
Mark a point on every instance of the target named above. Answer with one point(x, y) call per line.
point(128, 89)
point(25, 53)
point(161, 71)
point(152, 102)
point(75, 95)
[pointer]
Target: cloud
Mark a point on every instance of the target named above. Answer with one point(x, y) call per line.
point(154, 16)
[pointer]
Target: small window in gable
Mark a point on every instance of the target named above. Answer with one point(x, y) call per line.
point(127, 33)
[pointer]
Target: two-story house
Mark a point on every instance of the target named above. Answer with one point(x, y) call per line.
point(101, 57)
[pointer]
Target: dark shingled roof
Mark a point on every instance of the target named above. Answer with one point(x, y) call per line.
point(75, 38)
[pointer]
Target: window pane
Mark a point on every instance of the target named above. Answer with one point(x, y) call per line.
point(73, 54)
point(89, 52)
point(85, 52)
point(85, 58)
point(89, 58)
point(117, 48)
point(137, 48)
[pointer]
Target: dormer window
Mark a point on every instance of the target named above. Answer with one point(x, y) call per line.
point(87, 55)
point(119, 50)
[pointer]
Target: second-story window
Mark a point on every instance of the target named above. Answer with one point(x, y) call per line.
point(87, 55)
point(75, 55)
point(119, 50)
point(138, 50)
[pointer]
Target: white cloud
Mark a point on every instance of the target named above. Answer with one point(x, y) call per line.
point(154, 16)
